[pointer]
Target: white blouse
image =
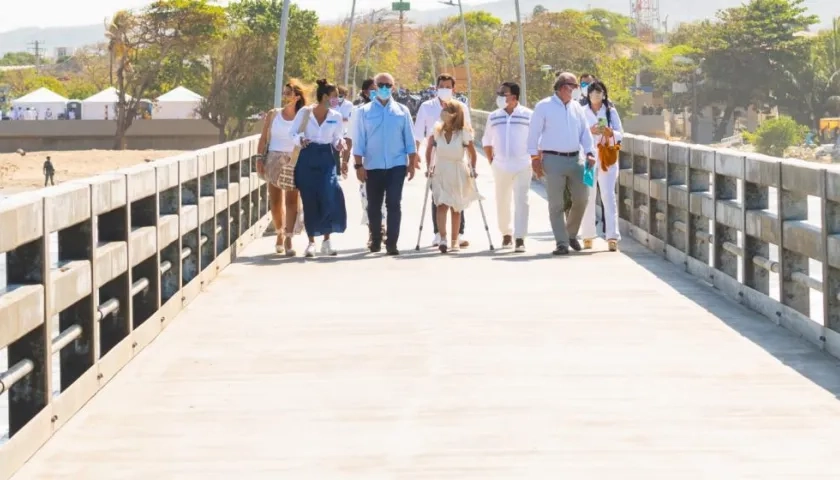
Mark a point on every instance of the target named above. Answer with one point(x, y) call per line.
point(329, 132)
point(615, 121)
point(281, 138)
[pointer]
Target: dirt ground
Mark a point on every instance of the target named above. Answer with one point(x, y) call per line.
point(21, 173)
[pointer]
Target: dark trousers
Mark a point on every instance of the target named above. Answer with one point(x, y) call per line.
point(434, 219)
point(48, 179)
point(385, 186)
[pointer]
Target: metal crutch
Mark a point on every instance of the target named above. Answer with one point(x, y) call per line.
point(481, 206)
point(423, 212)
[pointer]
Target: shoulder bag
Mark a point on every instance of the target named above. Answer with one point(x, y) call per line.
point(286, 179)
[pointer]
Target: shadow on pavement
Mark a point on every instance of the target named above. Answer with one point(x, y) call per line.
point(794, 352)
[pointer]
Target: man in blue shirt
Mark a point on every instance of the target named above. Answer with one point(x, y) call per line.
point(382, 142)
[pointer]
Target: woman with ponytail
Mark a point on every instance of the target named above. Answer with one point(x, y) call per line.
point(318, 130)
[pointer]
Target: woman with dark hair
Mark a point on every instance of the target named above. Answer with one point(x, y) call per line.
point(318, 130)
point(605, 125)
point(277, 166)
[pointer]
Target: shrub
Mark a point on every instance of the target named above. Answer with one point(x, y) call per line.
point(774, 136)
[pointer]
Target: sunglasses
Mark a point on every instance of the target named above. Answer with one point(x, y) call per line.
point(384, 85)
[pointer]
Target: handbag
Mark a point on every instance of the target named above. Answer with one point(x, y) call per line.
point(608, 152)
point(286, 179)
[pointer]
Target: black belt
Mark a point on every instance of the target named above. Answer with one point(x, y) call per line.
point(562, 154)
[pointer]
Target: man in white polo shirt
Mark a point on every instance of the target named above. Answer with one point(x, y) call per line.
point(505, 142)
point(427, 116)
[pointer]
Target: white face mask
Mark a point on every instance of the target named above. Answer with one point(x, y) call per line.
point(576, 94)
point(596, 96)
point(501, 102)
point(444, 93)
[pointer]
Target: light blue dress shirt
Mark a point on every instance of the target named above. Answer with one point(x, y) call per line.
point(384, 135)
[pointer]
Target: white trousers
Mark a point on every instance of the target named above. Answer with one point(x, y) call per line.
point(607, 181)
point(516, 185)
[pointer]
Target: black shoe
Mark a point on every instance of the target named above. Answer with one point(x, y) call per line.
point(374, 247)
point(561, 250)
point(520, 245)
point(575, 244)
point(507, 241)
point(391, 250)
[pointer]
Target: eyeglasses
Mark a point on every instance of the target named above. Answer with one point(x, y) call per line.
point(503, 94)
point(384, 85)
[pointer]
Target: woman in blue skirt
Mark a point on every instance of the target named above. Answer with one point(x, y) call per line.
point(324, 212)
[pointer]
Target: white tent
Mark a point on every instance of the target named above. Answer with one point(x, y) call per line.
point(179, 103)
point(94, 107)
point(41, 100)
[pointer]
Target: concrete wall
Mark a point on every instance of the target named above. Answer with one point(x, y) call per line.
point(135, 247)
point(37, 135)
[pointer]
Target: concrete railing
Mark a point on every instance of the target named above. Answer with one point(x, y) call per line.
point(741, 222)
point(719, 213)
point(134, 247)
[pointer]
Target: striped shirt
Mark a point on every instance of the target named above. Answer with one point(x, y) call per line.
point(508, 135)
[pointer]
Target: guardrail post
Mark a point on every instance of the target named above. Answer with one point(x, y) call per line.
point(641, 184)
point(792, 206)
point(28, 264)
point(626, 181)
point(677, 209)
point(756, 193)
point(658, 194)
point(831, 255)
point(700, 169)
point(220, 160)
point(726, 258)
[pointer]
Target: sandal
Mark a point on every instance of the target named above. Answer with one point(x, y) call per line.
point(288, 247)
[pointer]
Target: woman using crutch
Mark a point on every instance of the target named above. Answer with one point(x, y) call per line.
point(452, 188)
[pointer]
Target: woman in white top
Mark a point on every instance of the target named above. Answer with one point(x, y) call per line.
point(277, 140)
point(324, 211)
point(452, 188)
point(604, 123)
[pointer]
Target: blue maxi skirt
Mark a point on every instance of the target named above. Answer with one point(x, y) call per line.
point(324, 211)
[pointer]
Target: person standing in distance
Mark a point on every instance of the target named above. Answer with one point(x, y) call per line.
point(49, 172)
point(558, 132)
point(505, 143)
point(383, 143)
point(424, 126)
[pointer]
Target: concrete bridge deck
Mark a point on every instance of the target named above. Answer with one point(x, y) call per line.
point(478, 365)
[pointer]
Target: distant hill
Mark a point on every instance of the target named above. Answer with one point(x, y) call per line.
point(70, 37)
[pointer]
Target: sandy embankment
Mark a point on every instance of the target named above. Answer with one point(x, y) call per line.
point(19, 173)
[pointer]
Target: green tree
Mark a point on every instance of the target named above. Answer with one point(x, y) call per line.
point(748, 50)
point(17, 59)
point(22, 82)
point(262, 17)
point(143, 43)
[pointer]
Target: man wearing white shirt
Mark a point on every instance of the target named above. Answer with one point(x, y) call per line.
point(424, 124)
point(505, 142)
point(345, 108)
point(558, 132)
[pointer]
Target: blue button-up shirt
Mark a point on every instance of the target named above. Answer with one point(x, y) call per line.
point(383, 136)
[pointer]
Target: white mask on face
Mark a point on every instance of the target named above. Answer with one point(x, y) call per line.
point(501, 102)
point(576, 94)
point(444, 93)
point(596, 96)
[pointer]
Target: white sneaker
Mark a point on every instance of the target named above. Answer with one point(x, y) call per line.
point(436, 241)
point(310, 251)
point(326, 249)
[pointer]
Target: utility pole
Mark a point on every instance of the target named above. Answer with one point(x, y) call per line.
point(281, 55)
point(349, 44)
point(522, 72)
point(38, 49)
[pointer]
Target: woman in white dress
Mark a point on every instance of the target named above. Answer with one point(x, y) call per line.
point(277, 143)
point(452, 188)
point(604, 122)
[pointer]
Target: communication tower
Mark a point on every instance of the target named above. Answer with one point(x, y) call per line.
point(646, 22)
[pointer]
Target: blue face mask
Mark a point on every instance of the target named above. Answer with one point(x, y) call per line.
point(383, 93)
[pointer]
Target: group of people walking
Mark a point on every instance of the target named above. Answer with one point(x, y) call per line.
point(306, 147)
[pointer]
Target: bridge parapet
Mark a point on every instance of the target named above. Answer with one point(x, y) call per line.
point(736, 220)
point(134, 247)
point(740, 221)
